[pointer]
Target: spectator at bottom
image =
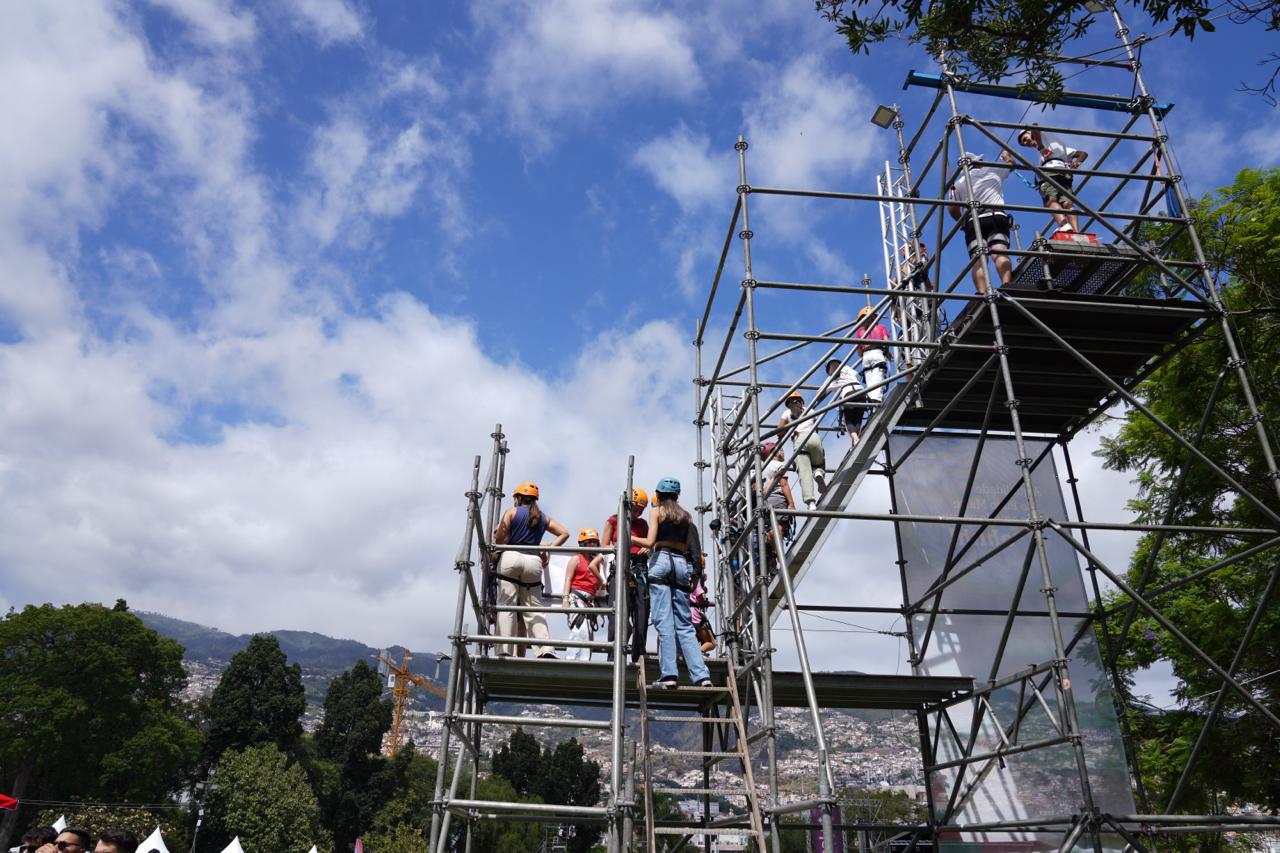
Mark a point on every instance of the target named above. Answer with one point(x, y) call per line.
point(39, 839)
point(116, 841)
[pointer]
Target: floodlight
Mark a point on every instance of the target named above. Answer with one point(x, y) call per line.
point(884, 116)
point(1095, 6)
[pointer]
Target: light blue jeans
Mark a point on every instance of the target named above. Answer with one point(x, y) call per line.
point(669, 608)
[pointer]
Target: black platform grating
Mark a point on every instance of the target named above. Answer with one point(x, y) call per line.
point(1078, 267)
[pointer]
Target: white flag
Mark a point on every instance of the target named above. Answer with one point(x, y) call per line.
point(234, 846)
point(60, 824)
point(313, 849)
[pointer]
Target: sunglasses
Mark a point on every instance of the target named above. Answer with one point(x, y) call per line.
point(68, 845)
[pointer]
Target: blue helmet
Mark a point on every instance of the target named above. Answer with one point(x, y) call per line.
point(669, 486)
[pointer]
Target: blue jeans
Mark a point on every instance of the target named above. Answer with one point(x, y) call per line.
point(669, 607)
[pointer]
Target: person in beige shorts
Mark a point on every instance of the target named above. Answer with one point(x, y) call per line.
point(520, 573)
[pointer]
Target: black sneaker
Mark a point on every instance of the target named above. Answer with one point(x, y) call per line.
point(706, 682)
point(548, 656)
point(667, 683)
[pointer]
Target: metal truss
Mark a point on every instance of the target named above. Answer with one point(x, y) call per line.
point(1024, 364)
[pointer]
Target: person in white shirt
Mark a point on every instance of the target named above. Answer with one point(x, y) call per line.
point(809, 457)
point(845, 384)
point(1056, 159)
point(985, 186)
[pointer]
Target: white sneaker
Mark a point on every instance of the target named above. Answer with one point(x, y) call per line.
point(810, 505)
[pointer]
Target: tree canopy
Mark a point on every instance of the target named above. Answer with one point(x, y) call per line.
point(89, 707)
point(263, 798)
point(1241, 763)
point(351, 778)
point(561, 775)
point(991, 39)
point(259, 699)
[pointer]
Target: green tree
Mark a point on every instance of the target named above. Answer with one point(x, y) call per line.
point(89, 708)
point(262, 798)
point(990, 39)
point(259, 699)
point(568, 779)
point(350, 736)
point(400, 838)
point(1241, 760)
point(410, 803)
point(520, 762)
point(498, 835)
point(356, 717)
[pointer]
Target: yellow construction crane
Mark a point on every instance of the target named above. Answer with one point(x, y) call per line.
point(402, 681)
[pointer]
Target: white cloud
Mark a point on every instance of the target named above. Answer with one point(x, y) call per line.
point(213, 21)
point(277, 459)
point(345, 507)
point(330, 21)
point(566, 58)
point(809, 127)
point(682, 165)
point(359, 179)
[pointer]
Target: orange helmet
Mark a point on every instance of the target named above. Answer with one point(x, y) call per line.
point(586, 534)
point(864, 311)
point(639, 497)
point(528, 490)
point(794, 395)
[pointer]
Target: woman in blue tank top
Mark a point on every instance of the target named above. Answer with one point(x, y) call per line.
point(520, 573)
point(670, 579)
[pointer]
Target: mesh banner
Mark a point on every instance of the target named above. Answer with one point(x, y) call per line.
point(1004, 585)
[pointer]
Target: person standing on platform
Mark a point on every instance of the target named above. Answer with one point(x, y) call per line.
point(519, 573)
point(1056, 159)
point(809, 456)
point(670, 582)
point(875, 359)
point(985, 187)
point(636, 632)
point(582, 580)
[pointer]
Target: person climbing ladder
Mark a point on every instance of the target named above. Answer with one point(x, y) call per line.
point(809, 456)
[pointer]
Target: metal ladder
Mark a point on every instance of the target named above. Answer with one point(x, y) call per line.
point(724, 739)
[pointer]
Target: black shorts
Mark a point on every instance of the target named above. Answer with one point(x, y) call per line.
point(995, 229)
point(851, 416)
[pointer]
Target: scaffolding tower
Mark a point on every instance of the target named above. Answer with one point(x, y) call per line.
point(967, 429)
point(1010, 634)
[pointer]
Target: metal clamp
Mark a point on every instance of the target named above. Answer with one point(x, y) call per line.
point(744, 189)
point(745, 234)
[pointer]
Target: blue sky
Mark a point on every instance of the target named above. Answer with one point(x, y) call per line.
point(272, 271)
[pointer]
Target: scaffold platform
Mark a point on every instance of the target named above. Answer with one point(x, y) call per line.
point(1123, 336)
point(1086, 268)
point(591, 683)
